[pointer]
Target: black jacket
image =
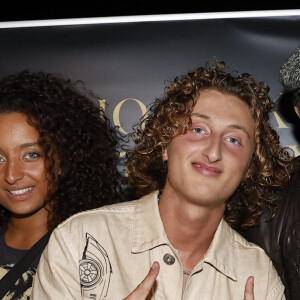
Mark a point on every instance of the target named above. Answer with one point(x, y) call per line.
point(280, 238)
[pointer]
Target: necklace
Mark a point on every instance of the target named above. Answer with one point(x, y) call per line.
point(186, 272)
point(158, 195)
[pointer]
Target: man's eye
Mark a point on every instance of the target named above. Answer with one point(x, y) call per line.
point(198, 130)
point(233, 140)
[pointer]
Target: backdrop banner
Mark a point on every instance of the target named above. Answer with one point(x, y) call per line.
point(128, 63)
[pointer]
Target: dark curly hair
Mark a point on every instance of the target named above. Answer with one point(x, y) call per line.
point(271, 163)
point(77, 131)
point(296, 97)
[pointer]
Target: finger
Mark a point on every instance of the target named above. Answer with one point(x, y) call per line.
point(249, 289)
point(143, 290)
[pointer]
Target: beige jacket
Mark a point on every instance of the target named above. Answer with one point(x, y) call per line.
point(105, 253)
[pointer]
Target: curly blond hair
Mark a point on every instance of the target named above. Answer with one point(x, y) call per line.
point(169, 116)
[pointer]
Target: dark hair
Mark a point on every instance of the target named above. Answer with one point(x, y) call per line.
point(289, 77)
point(271, 163)
point(70, 125)
point(295, 95)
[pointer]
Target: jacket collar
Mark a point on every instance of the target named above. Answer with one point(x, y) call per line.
point(222, 252)
point(148, 229)
point(148, 233)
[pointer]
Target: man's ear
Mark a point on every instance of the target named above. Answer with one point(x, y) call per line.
point(164, 154)
point(249, 172)
point(297, 110)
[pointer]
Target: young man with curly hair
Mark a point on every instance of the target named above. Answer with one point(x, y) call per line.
point(206, 161)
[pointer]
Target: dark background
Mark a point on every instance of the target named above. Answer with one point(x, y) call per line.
point(28, 10)
point(131, 61)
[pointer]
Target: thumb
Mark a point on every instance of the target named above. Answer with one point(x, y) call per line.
point(249, 289)
point(143, 290)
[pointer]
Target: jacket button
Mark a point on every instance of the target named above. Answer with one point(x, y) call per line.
point(169, 259)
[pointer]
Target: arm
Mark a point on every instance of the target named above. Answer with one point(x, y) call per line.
point(57, 274)
point(275, 286)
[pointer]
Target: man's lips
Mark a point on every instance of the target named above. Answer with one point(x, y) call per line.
point(206, 170)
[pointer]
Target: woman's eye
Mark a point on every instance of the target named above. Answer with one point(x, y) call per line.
point(32, 155)
point(1, 159)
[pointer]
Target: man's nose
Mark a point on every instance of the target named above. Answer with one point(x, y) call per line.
point(213, 149)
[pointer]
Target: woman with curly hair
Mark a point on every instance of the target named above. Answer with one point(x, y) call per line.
point(58, 157)
point(206, 161)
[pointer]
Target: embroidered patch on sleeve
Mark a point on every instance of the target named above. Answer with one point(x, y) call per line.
point(94, 269)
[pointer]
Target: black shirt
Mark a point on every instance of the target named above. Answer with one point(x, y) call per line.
point(8, 258)
point(280, 238)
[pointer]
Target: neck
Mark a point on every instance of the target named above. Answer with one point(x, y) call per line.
point(24, 231)
point(190, 227)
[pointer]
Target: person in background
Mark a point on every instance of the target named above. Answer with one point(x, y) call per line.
point(206, 161)
point(58, 156)
point(280, 236)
